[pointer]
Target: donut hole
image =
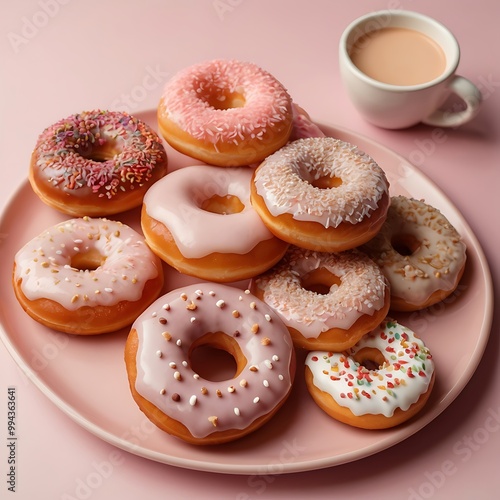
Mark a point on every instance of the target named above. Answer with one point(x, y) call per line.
point(100, 152)
point(216, 357)
point(320, 281)
point(223, 205)
point(370, 358)
point(405, 244)
point(220, 99)
point(326, 182)
point(87, 261)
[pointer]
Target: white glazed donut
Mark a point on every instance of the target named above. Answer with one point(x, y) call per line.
point(87, 276)
point(322, 194)
point(393, 388)
point(327, 300)
point(200, 220)
point(420, 252)
point(176, 398)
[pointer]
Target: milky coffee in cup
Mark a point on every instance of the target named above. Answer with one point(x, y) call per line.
point(399, 56)
point(399, 69)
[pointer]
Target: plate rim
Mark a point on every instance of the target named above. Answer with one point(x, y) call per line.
point(293, 467)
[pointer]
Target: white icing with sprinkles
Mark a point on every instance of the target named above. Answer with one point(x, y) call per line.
point(434, 265)
point(405, 375)
point(45, 264)
point(284, 181)
point(361, 291)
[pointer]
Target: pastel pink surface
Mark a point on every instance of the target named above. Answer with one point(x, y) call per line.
point(455, 455)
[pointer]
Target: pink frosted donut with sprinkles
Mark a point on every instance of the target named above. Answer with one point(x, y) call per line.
point(96, 163)
point(420, 252)
point(303, 126)
point(327, 300)
point(206, 410)
point(322, 194)
point(381, 382)
point(87, 276)
point(225, 113)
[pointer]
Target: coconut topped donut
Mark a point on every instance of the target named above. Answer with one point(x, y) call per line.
point(327, 300)
point(324, 181)
point(288, 177)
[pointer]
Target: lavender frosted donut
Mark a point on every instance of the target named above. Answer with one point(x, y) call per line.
point(225, 113)
point(181, 402)
point(96, 163)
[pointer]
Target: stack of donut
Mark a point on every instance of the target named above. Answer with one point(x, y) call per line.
point(306, 220)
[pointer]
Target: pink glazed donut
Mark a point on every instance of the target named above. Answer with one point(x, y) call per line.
point(199, 220)
point(225, 113)
point(175, 397)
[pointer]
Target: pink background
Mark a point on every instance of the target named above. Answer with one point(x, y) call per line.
point(60, 57)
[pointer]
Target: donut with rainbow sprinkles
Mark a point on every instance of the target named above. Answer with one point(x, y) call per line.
point(381, 382)
point(96, 163)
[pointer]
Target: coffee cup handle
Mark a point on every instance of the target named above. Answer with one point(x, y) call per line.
point(469, 94)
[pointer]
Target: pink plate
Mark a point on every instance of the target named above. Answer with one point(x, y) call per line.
point(86, 377)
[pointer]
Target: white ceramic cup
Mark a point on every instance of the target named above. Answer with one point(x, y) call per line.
point(400, 106)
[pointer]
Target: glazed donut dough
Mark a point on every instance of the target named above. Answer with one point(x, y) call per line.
point(200, 220)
